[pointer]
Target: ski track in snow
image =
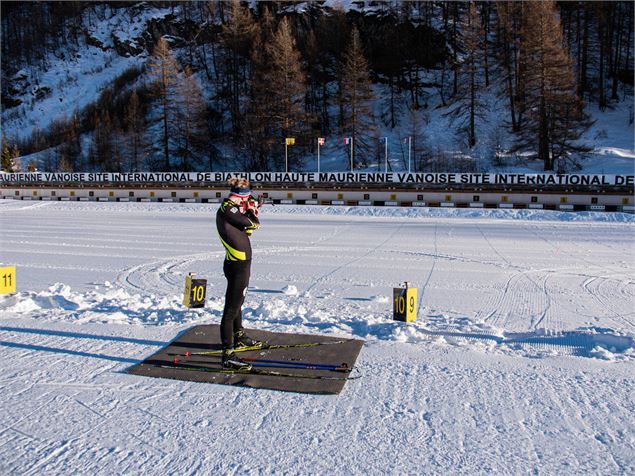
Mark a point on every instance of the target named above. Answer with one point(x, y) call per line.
point(521, 360)
point(350, 262)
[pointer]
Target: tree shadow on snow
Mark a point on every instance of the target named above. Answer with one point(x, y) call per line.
point(79, 335)
point(57, 350)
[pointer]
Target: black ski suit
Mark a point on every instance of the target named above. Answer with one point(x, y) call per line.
point(234, 229)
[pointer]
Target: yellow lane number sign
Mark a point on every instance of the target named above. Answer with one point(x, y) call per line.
point(7, 279)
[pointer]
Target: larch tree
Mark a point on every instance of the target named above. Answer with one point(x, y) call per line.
point(336, 37)
point(163, 73)
point(70, 150)
point(316, 80)
point(256, 139)
point(190, 131)
point(134, 120)
point(420, 149)
point(287, 87)
point(238, 35)
point(102, 149)
point(7, 161)
point(555, 117)
point(15, 156)
point(507, 47)
point(358, 97)
point(276, 108)
point(467, 103)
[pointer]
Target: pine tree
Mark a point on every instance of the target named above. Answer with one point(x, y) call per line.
point(163, 72)
point(555, 117)
point(357, 94)
point(467, 104)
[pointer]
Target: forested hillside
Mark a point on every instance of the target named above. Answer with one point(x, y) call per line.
point(424, 86)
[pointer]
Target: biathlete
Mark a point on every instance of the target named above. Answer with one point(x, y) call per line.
point(236, 220)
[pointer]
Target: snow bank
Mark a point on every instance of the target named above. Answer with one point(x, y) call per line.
point(107, 305)
point(113, 305)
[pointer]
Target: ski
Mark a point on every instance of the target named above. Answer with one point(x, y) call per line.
point(343, 367)
point(284, 364)
point(290, 366)
point(263, 347)
point(253, 371)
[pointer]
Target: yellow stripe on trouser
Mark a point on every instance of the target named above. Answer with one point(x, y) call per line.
point(233, 254)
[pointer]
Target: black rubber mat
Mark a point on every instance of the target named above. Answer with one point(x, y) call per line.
point(334, 351)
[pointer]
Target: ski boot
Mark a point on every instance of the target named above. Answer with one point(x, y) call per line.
point(231, 361)
point(242, 340)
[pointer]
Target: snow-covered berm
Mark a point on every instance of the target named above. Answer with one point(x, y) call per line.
point(521, 361)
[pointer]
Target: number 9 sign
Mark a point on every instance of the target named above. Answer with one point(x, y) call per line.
point(405, 304)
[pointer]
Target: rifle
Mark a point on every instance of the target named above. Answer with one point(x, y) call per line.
point(262, 200)
point(256, 202)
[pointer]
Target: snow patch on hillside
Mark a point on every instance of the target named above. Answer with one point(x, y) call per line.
point(75, 79)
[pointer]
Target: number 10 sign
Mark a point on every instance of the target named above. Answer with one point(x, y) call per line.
point(194, 295)
point(405, 304)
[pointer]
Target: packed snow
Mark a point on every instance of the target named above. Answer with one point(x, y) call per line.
point(521, 359)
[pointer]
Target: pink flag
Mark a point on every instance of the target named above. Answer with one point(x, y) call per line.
point(321, 141)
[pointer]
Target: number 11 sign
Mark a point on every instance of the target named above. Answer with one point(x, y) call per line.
point(7, 280)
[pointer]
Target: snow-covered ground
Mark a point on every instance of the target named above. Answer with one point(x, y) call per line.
point(522, 359)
